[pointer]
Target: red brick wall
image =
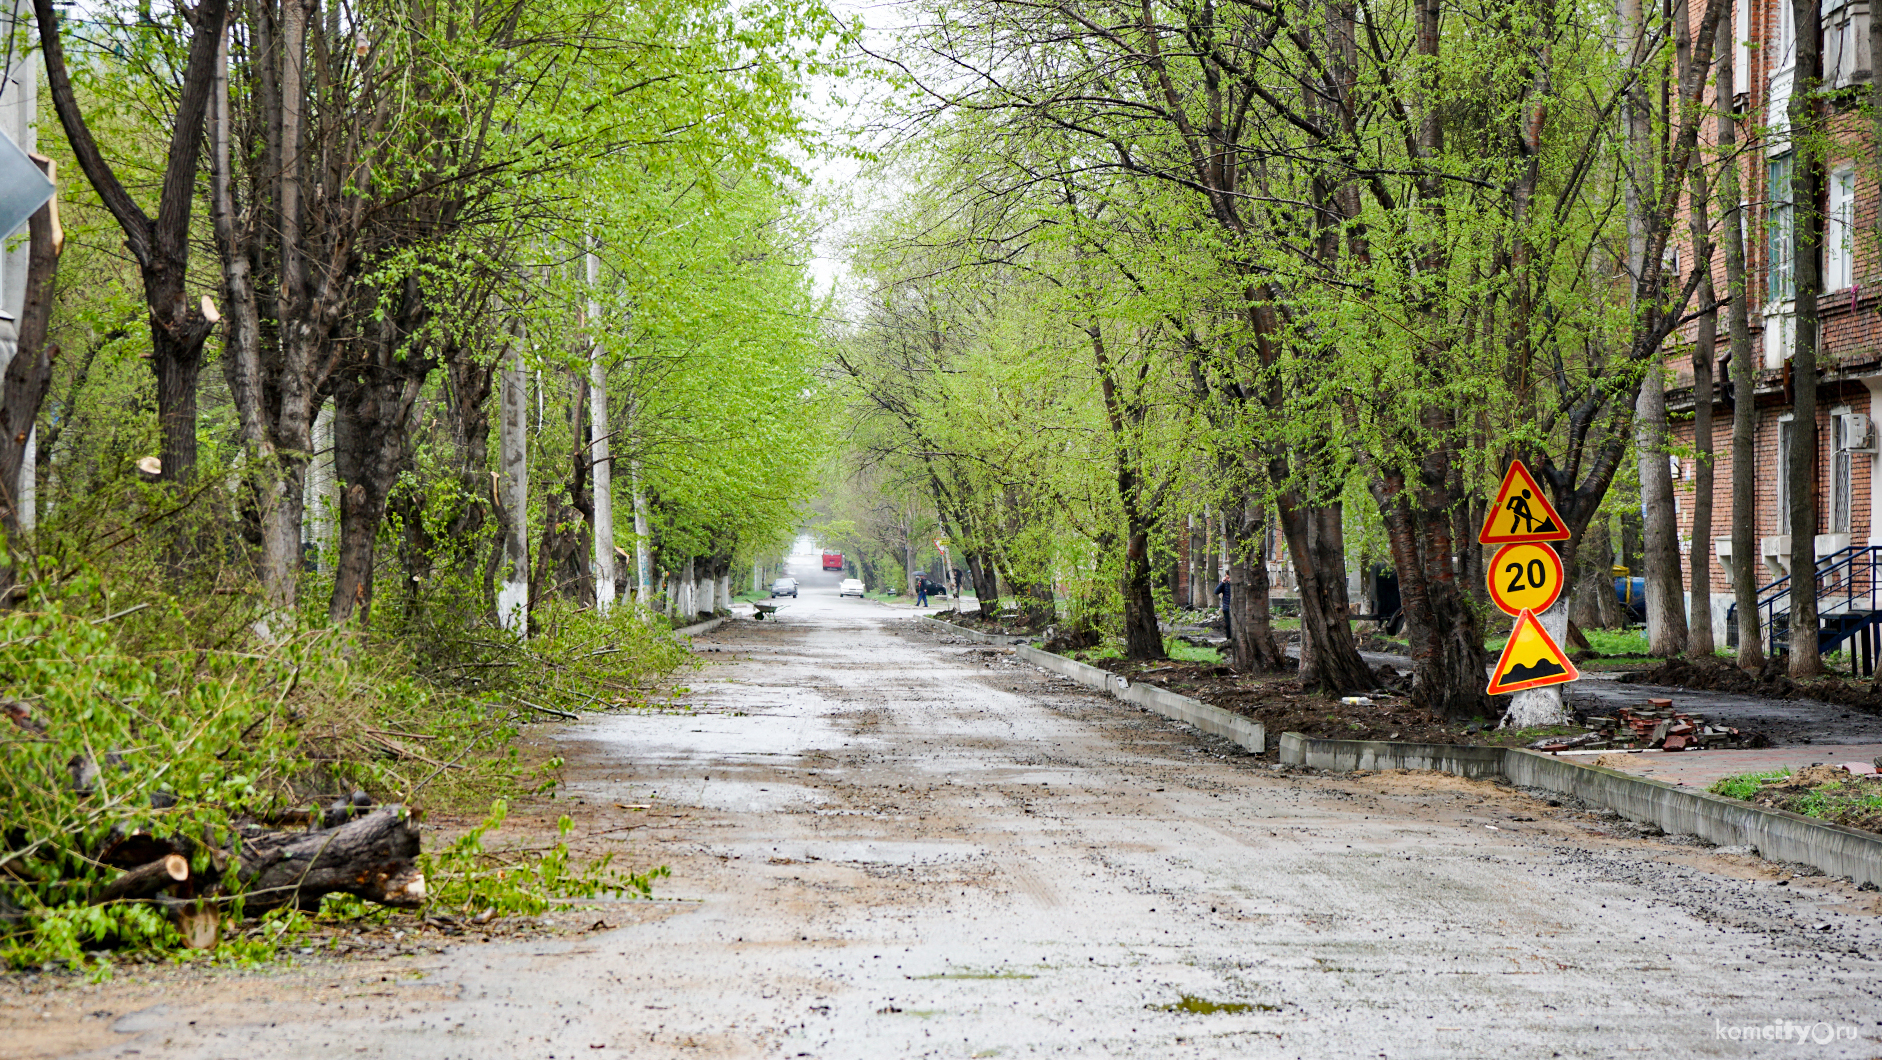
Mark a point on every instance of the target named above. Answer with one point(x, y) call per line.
point(1765, 441)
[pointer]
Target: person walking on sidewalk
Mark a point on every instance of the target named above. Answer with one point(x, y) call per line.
point(921, 590)
point(1222, 591)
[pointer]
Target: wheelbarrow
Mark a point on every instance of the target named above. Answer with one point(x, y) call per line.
point(760, 610)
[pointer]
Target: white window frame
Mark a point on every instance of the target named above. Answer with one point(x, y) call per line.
point(1785, 425)
point(1780, 272)
point(1786, 39)
point(1741, 58)
point(1839, 232)
point(1842, 469)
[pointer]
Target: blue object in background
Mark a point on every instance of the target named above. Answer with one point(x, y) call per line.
point(1632, 593)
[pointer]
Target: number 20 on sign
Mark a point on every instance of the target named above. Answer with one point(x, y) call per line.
point(1525, 576)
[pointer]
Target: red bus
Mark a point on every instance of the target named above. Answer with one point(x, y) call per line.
point(833, 561)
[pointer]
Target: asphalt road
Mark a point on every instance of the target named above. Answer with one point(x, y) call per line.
point(886, 842)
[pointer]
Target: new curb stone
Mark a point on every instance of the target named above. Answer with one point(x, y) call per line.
point(1776, 834)
point(1245, 732)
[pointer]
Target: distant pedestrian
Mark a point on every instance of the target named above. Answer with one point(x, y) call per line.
point(1222, 591)
point(921, 590)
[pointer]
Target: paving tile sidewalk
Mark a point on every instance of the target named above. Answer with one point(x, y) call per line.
point(1700, 768)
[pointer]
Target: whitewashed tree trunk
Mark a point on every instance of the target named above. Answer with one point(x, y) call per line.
point(319, 499)
point(1543, 706)
point(724, 594)
point(513, 492)
point(599, 463)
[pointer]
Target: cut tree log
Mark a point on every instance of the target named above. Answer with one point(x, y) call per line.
point(371, 857)
point(146, 880)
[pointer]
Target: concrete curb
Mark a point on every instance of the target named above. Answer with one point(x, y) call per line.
point(1775, 834)
point(1344, 756)
point(699, 628)
point(974, 634)
point(1245, 732)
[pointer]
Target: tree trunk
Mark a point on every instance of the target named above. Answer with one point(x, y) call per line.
point(1700, 643)
point(1666, 596)
point(1745, 574)
point(602, 519)
point(513, 488)
point(372, 405)
point(1329, 657)
point(986, 593)
point(1807, 243)
point(28, 374)
point(373, 857)
point(1252, 647)
point(161, 247)
point(1142, 638)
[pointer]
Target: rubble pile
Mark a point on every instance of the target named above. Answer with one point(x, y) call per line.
point(1653, 726)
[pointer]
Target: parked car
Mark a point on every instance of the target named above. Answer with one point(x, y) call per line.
point(784, 587)
point(935, 588)
point(851, 587)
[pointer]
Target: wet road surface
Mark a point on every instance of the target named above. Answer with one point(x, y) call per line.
point(886, 842)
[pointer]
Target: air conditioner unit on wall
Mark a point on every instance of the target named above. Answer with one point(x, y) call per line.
point(1858, 433)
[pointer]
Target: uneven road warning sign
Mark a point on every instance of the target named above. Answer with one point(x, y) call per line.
point(1521, 513)
point(1530, 660)
point(1525, 577)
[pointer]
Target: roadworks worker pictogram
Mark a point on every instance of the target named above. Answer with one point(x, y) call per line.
point(1531, 659)
point(1521, 513)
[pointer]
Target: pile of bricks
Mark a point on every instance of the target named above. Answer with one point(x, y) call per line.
point(1655, 725)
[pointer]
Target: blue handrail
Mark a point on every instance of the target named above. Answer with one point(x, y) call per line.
point(1849, 583)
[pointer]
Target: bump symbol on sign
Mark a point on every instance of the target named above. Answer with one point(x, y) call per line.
point(1522, 576)
point(1531, 659)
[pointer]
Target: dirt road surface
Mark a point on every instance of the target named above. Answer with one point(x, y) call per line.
point(888, 842)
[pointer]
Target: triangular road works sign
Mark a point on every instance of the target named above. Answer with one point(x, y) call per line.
point(1521, 513)
point(1531, 659)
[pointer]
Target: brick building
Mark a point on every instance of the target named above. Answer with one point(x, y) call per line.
point(1850, 306)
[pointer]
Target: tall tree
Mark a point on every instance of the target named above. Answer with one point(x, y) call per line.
point(160, 245)
point(1807, 133)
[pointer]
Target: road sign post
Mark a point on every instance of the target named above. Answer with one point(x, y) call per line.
point(1526, 580)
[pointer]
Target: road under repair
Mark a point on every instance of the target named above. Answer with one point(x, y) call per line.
point(890, 842)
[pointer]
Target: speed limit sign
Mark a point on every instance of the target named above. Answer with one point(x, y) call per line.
point(1525, 576)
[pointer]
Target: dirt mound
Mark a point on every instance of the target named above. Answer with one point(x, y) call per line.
point(1817, 776)
point(1706, 675)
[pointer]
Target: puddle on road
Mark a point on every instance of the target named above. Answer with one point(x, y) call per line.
point(1202, 1006)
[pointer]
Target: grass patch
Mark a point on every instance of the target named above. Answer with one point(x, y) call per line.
point(1745, 785)
point(1182, 652)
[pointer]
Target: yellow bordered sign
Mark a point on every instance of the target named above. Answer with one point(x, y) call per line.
point(1526, 576)
point(1531, 659)
point(1521, 513)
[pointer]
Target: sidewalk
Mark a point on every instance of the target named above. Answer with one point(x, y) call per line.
point(1700, 768)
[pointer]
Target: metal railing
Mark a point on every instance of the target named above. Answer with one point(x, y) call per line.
point(1849, 598)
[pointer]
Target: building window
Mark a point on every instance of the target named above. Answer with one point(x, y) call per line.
point(1741, 57)
point(1840, 459)
point(1839, 232)
point(1786, 53)
point(1845, 43)
point(1784, 431)
point(1780, 280)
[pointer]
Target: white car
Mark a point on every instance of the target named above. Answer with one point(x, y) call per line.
point(851, 586)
